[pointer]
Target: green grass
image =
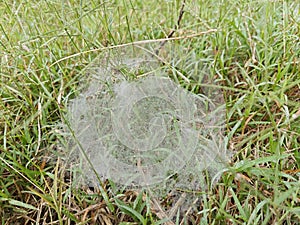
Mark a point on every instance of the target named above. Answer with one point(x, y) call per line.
point(255, 53)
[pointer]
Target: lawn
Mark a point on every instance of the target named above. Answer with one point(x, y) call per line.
point(252, 49)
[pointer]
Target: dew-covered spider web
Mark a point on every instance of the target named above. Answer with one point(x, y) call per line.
point(149, 118)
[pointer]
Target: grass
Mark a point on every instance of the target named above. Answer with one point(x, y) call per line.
point(255, 53)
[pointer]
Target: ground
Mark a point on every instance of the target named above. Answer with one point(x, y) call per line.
point(253, 48)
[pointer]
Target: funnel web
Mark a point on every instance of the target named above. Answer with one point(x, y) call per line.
point(138, 125)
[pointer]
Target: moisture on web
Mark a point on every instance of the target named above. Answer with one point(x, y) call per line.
point(138, 123)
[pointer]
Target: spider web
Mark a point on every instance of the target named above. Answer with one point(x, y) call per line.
point(136, 123)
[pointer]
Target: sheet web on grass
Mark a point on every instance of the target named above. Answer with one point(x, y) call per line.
point(136, 123)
